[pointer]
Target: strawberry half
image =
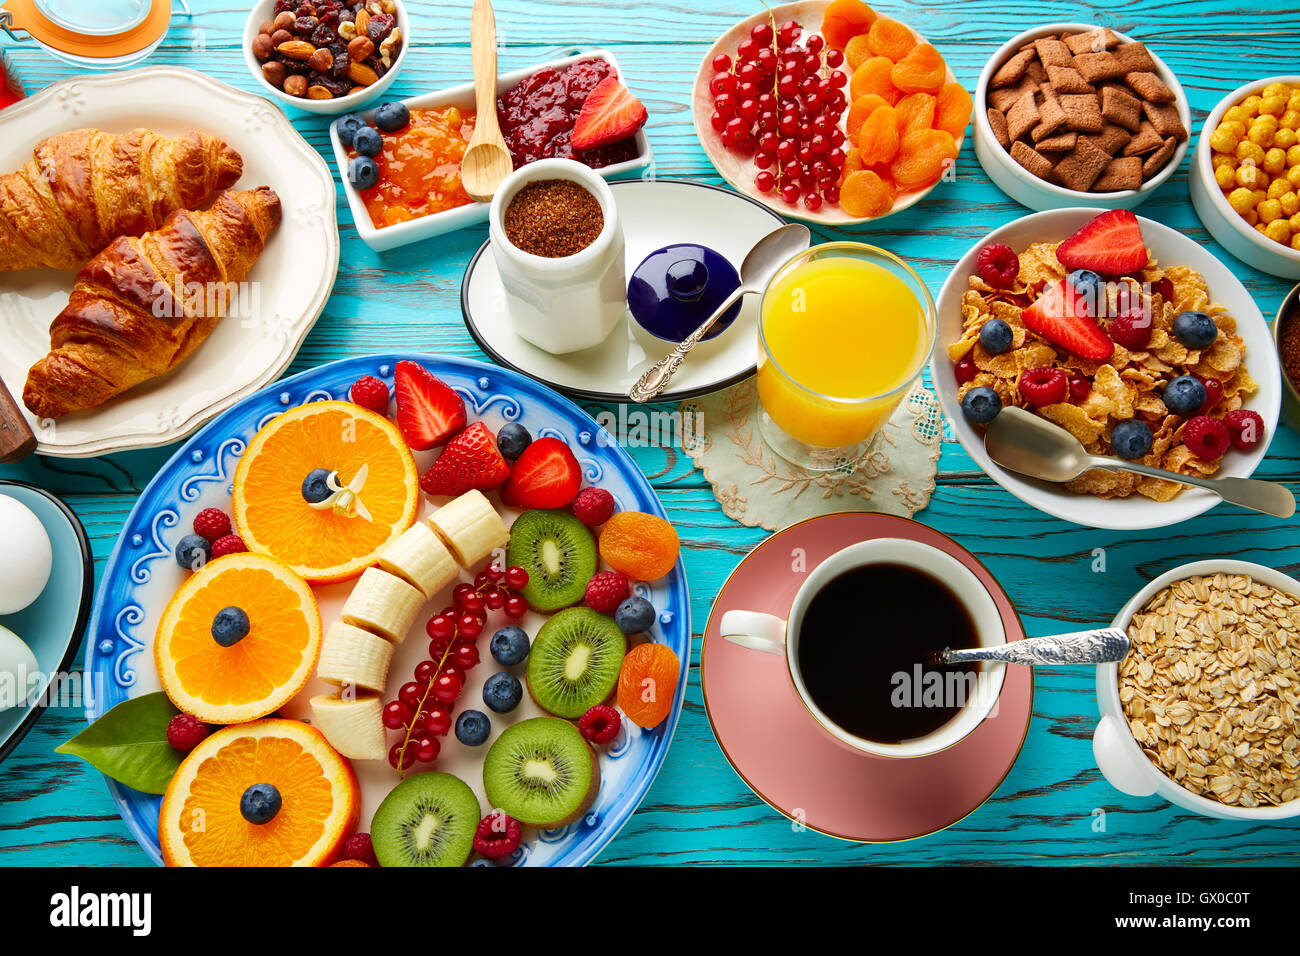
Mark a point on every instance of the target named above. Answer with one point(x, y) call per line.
point(1110, 244)
point(470, 460)
point(610, 113)
point(1061, 316)
point(545, 476)
point(428, 410)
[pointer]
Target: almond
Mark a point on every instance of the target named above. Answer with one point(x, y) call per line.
point(297, 49)
point(362, 74)
point(362, 21)
point(319, 93)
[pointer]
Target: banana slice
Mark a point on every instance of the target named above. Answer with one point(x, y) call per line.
point(471, 527)
point(349, 655)
point(352, 725)
point(383, 603)
point(422, 559)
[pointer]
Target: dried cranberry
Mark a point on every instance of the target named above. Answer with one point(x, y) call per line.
point(282, 6)
point(340, 68)
point(339, 86)
point(305, 26)
point(381, 24)
point(346, 15)
point(322, 36)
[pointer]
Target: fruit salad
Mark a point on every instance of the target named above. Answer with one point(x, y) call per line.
point(1132, 357)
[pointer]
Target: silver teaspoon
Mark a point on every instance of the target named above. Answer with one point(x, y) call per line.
point(768, 255)
point(1083, 647)
point(1030, 445)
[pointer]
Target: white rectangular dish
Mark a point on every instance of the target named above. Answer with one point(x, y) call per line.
point(462, 97)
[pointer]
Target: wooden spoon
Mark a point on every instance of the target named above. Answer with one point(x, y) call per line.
point(487, 160)
point(16, 438)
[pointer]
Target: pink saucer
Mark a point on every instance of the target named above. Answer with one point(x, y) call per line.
point(777, 748)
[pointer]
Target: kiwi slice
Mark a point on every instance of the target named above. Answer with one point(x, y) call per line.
point(559, 554)
point(575, 661)
point(426, 820)
point(542, 773)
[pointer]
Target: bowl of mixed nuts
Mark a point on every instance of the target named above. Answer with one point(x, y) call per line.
point(1205, 709)
point(326, 56)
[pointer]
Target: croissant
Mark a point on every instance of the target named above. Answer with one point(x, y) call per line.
point(84, 188)
point(145, 303)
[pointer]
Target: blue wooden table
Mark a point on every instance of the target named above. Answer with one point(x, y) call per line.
point(1054, 807)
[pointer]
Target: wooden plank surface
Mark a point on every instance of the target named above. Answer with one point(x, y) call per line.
point(54, 809)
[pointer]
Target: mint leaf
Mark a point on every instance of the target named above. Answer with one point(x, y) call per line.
point(129, 743)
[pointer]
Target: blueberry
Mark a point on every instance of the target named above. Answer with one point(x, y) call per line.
point(192, 552)
point(230, 626)
point(473, 727)
point(502, 692)
point(315, 488)
point(347, 127)
point(1184, 395)
point(363, 173)
point(391, 117)
point(1196, 330)
point(367, 141)
point(484, 861)
point(1131, 439)
point(635, 615)
point(512, 440)
point(260, 803)
point(995, 336)
point(510, 645)
point(1091, 286)
point(981, 405)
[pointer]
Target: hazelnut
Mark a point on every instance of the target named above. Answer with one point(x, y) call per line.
point(274, 72)
point(360, 48)
point(280, 36)
point(321, 61)
point(295, 85)
point(266, 26)
point(262, 46)
point(284, 20)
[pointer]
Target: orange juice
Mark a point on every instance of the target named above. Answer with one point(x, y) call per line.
point(840, 337)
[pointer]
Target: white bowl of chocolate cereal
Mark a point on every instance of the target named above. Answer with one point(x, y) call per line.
point(1205, 709)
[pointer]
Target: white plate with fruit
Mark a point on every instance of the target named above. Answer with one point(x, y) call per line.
point(281, 579)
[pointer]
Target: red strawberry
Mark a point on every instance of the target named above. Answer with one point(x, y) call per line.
point(609, 114)
point(1061, 316)
point(1110, 244)
point(545, 476)
point(470, 460)
point(428, 410)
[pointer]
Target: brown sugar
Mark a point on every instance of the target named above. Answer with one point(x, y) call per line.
point(553, 218)
point(1288, 346)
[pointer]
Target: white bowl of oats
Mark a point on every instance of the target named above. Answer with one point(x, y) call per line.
point(1205, 709)
point(1180, 276)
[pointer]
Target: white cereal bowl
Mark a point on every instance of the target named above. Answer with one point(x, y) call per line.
point(1231, 231)
point(1168, 247)
point(264, 10)
point(1119, 756)
point(1026, 188)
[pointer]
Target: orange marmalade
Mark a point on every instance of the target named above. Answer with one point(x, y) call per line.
point(419, 167)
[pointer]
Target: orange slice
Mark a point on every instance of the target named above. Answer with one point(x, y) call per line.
point(201, 824)
point(256, 673)
point(329, 544)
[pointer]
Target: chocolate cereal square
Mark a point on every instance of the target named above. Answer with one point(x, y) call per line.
point(1051, 118)
point(1111, 139)
point(1082, 112)
point(1150, 87)
point(1122, 173)
point(1007, 96)
point(1081, 167)
point(1013, 69)
point(1066, 79)
point(1095, 67)
point(1031, 159)
point(1092, 41)
point(1121, 108)
point(1023, 117)
point(1060, 143)
point(998, 123)
point(1145, 140)
point(1164, 117)
point(1157, 160)
point(1135, 57)
point(1052, 52)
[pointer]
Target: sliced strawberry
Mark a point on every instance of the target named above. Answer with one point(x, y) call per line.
point(470, 460)
point(610, 113)
point(545, 476)
point(1061, 316)
point(428, 410)
point(1110, 244)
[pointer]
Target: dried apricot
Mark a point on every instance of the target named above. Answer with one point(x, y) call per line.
point(857, 51)
point(862, 107)
point(845, 19)
point(873, 77)
point(891, 39)
point(852, 162)
point(923, 155)
point(866, 195)
point(952, 110)
point(642, 546)
point(878, 138)
point(921, 71)
point(915, 111)
point(647, 684)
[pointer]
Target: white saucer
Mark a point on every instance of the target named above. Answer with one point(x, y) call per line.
point(655, 213)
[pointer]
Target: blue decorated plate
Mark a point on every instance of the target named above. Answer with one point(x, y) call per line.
point(141, 576)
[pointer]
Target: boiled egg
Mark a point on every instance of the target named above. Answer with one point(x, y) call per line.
point(17, 668)
point(25, 558)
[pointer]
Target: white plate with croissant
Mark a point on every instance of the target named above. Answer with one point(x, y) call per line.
point(166, 243)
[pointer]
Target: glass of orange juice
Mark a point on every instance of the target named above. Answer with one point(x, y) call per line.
point(844, 331)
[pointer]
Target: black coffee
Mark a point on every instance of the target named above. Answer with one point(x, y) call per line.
point(863, 644)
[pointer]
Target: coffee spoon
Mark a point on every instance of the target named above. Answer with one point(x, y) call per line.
point(1102, 646)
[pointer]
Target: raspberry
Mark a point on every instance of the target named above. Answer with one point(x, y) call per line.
point(1080, 387)
point(369, 392)
point(497, 835)
point(1207, 438)
point(359, 847)
point(185, 733)
point(211, 524)
point(228, 544)
point(1131, 329)
point(607, 590)
point(600, 724)
point(1213, 395)
point(965, 369)
point(1044, 386)
point(1245, 428)
point(1164, 288)
point(593, 506)
point(998, 265)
